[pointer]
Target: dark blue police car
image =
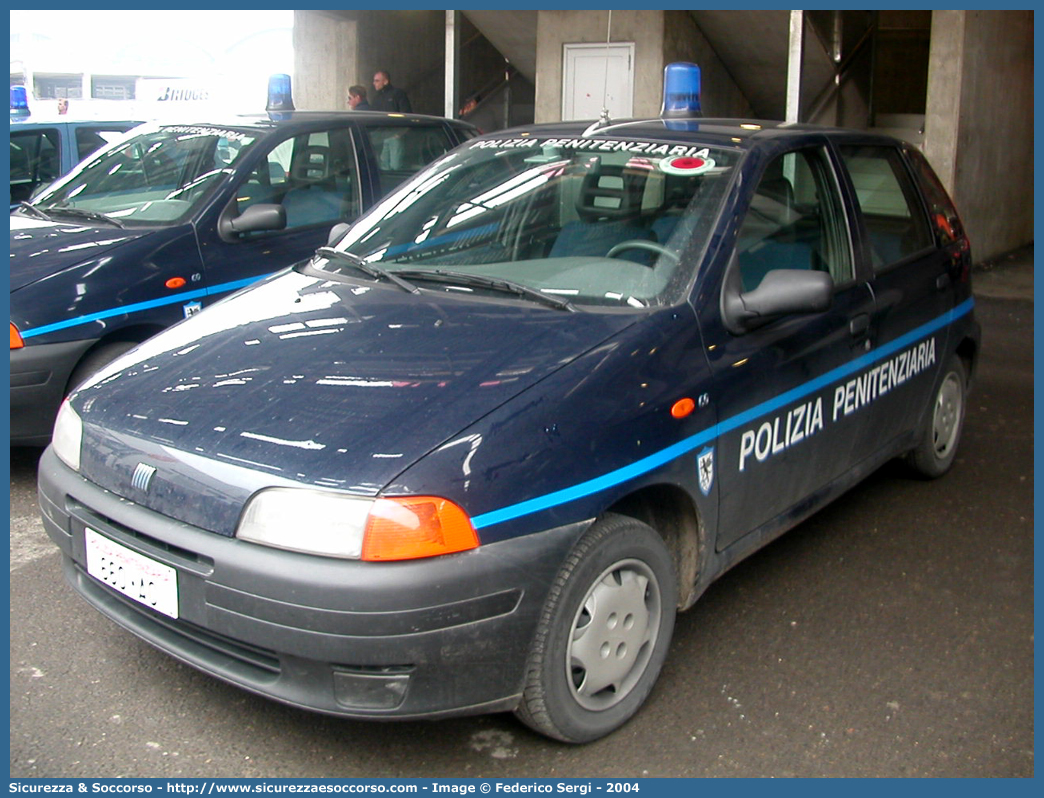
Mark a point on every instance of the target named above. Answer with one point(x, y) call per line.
point(171, 219)
point(474, 456)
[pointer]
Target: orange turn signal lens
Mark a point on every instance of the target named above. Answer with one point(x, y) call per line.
point(16, 338)
point(682, 408)
point(409, 527)
point(175, 282)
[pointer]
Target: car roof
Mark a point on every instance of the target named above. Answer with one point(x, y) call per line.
point(30, 123)
point(729, 132)
point(284, 120)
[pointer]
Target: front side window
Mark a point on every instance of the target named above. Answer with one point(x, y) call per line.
point(795, 221)
point(158, 177)
point(92, 139)
point(313, 176)
point(889, 203)
point(589, 222)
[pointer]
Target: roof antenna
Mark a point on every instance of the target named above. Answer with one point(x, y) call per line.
point(603, 119)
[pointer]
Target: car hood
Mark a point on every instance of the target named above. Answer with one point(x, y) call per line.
point(40, 248)
point(310, 381)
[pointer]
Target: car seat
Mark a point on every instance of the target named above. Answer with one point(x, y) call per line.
point(770, 237)
point(609, 206)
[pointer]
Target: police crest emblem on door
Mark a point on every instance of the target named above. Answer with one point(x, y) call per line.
point(705, 467)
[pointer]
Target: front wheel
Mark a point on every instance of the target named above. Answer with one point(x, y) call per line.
point(95, 360)
point(603, 633)
point(941, 432)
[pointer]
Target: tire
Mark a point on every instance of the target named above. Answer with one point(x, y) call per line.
point(603, 633)
point(94, 360)
point(941, 431)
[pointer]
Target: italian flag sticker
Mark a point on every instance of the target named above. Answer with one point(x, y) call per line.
point(686, 165)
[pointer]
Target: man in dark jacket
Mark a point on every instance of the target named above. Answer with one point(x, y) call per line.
point(386, 96)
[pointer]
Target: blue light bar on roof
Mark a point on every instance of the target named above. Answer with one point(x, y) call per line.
point(681, 90)
point(19, 102)
point(279, 95)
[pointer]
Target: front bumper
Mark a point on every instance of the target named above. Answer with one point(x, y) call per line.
point(39, 376)
point(423, 638)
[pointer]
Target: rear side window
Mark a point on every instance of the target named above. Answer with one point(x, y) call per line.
point(889, 203)
point(941, 210)
point(402, 151)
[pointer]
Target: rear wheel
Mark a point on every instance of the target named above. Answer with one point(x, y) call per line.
point(941, 433)
point(603, 634)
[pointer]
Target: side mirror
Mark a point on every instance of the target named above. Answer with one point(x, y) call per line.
point(336, 232)
point(257, 218)
point(782, 292)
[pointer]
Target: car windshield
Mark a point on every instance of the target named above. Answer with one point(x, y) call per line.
point(158, 177)
point(593, 222)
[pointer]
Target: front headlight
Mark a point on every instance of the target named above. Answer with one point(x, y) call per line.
point(352, 527)
point(67, 436)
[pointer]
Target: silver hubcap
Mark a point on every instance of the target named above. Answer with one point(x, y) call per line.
point(613, 635)
point(949, 405)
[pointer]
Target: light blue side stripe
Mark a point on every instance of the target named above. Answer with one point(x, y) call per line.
point(690, 444)
point(124, 310)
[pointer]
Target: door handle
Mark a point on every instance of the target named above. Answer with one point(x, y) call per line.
point(942, 281)
point(859, 325)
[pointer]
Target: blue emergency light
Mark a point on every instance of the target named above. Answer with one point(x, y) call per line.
point(19, 103)
point(681, 91)
point(279, 95)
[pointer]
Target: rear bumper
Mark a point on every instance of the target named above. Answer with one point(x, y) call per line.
point(446, 635)
point(39, 375)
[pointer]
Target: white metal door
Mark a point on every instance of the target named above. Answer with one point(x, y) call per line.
point(596, 76)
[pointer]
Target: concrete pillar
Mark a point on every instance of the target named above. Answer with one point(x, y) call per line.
point(979, 122)
point(943, 106)
point(452, 78)
point(795, 53)
point(325, 61)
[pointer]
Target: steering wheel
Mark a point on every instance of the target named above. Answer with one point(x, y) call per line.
point(637, 243)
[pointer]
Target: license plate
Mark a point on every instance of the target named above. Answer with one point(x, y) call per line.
point(134, 575)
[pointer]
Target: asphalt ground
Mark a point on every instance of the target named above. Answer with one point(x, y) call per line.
point(889, 635)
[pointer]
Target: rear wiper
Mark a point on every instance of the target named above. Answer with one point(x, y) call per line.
point(493, 283)
point(376, 272)
point(94, 216)
point(28, 206)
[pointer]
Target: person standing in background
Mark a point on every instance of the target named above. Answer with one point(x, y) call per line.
point(387, 97)
point(357, 99)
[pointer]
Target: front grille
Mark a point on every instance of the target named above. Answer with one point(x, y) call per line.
point(102, 523)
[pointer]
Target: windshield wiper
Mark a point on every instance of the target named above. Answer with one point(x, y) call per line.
point(366, 267)
point(94, 216)
point(493, 283)
point(28, 206)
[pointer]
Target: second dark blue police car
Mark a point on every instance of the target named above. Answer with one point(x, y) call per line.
point(475, 456)
point(175, 217)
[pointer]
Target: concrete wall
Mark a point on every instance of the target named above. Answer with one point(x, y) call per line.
point(334, 50)
point(325, 58)
point(659, 37)
point(979, 122)
point(411, 45)
point(683, 41)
